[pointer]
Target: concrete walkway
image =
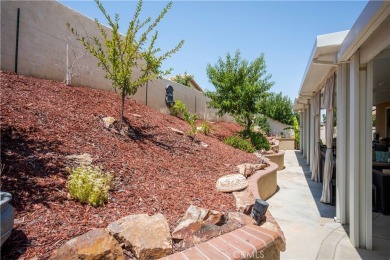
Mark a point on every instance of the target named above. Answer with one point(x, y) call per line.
point(308, 224)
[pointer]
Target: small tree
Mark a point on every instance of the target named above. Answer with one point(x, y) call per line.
point(183, 79)
point(239, 86)
point(119, 55)
point(277, 107)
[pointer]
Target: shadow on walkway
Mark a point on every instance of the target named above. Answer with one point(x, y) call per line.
point(326, 210)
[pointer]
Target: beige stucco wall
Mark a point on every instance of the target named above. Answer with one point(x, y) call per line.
point(286, 143)
point(381, 119)
point(277, 158)
point(263, 183)
point(43, 39)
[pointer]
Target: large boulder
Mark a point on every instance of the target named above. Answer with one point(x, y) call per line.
point(198, 225)
point(96, 244)
point(148, 237)
point(193, 220)
point(244, 201)
point(232, 182)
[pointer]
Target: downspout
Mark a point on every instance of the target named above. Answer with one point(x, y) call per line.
point(17, 41)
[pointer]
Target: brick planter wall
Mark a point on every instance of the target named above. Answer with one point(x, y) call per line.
point(277, 158)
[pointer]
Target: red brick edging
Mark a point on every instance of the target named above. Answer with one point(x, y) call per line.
point(241, 243)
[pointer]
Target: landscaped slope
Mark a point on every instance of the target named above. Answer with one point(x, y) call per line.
point(43, 121)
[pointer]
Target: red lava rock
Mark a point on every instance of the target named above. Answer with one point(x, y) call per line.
point(155, 170)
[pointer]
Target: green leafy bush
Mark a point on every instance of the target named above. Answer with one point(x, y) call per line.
point(239, 143)
point(262, 122)
point(206, 127)
point(89, 184)
point(179, 108)
point(190, 119)
point(259, 141)
point(297, 131)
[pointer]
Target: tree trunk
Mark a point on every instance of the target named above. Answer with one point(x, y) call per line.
point(248, 123)
point(122, 110)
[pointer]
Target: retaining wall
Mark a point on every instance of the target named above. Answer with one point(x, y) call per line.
point(286, 143)
point(277, 158)
point(42, 53)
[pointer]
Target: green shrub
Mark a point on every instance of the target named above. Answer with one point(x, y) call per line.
point(259, 141)
point(179, 108)
point(239, 143)
point(190, 119)
point(89, 184)
point(262, 122)
point(206, 127)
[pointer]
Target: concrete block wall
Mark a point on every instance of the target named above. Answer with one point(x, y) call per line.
point(43, 40)
point(277, 128)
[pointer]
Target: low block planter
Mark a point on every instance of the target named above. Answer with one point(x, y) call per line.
point(286, 143)
point(263, 183)
point(277, 158)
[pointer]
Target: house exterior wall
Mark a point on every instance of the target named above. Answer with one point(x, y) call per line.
point(381, 119)
point(43, 39)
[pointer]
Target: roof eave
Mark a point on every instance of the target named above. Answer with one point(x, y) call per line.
point(369, 19)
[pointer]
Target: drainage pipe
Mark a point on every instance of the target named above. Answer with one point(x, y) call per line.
point(17, 41)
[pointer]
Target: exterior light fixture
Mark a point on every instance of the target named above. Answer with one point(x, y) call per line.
point(259, 210)
point(169, 96)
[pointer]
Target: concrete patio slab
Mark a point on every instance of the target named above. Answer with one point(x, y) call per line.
point(308, 224)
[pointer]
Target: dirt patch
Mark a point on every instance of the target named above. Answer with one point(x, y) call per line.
point(155, 169)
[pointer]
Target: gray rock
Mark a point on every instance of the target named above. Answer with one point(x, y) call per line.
point(108, 121)
point(79, 159)
point(136, 115)
point(177, 131)
point(244, 201)
point(232, 182)
point(96, 244)
point(204, 144)
point(241, 218)
point(147, 237)
point(198, 225)
point(247, 169)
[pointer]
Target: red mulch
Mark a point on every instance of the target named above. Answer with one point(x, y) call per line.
point(42, 121)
